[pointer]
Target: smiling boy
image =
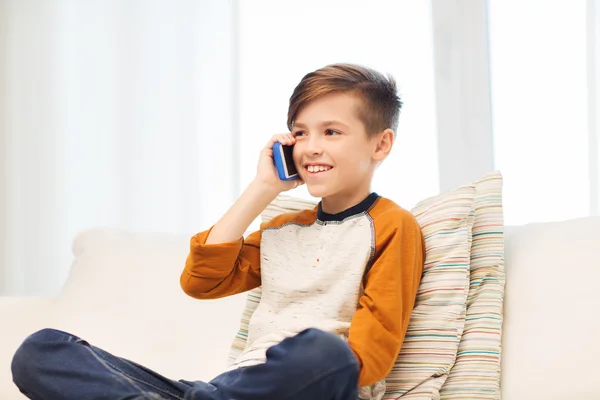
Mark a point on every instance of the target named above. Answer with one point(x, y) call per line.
point(338, 282)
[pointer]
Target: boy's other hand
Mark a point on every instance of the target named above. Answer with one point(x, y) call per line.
point(266, 173)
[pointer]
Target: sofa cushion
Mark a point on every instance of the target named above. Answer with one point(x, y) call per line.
point(551, 338)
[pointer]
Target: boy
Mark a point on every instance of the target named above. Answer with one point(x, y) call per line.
point(339, 281)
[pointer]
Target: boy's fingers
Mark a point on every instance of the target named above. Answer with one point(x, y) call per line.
point(270, 143)
point(284, 138)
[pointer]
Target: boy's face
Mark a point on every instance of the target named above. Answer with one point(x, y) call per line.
point(333, 154)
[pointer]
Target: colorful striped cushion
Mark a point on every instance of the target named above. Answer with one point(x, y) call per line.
point(436, 325)
point(476, 372)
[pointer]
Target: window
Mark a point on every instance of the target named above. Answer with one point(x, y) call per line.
point(539, 107)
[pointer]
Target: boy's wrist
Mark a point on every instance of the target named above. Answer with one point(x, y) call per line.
point(265, 189)
point(232, 226)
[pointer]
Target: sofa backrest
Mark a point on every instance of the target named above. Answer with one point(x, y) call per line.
point(123, 294)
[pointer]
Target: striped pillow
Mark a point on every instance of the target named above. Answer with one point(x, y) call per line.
point(476, 373)
point(436, 324)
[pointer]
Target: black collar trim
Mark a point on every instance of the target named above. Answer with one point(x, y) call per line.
point(361, 207)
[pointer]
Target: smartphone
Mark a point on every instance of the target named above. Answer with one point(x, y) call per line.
point(284, 162)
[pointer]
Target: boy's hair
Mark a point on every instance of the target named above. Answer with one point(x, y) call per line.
point(380, 102)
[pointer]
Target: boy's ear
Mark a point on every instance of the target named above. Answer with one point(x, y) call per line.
point(385, 141)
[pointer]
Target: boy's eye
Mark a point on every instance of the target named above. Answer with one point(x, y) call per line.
point(331, 132)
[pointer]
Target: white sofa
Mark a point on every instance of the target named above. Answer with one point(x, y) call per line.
point(123, 295)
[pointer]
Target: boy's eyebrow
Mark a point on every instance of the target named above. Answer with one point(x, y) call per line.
point(324, 123)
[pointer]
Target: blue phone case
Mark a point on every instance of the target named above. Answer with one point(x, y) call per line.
point(282, 155)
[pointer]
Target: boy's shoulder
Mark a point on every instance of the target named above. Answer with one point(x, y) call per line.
point(387, 213)
point(301, 217)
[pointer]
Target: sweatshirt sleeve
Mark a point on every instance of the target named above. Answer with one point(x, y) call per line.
point(218, 270)
point(378, 327)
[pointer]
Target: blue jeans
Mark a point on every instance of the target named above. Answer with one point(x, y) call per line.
point(55, 365)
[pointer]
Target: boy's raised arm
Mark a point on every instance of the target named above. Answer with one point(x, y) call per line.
point(237, 219)
point(221, 262)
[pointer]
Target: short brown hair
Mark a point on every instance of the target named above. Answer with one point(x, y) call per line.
point(381, 103)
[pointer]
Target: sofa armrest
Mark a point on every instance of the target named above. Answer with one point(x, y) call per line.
point(20, 316)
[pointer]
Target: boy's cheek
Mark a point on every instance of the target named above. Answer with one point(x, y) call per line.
point(297, 162)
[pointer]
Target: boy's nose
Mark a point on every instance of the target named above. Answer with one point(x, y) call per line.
point(313, 147)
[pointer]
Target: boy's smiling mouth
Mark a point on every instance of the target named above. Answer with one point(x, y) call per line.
point(317, 168)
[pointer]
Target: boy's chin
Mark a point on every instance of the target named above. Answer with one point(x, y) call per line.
point(317, 190)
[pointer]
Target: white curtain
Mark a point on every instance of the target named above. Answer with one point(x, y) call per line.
point(114, 114)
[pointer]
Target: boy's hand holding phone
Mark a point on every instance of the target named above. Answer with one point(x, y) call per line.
point(264, 188)
point(267, 172)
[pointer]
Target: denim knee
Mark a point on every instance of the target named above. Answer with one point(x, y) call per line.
point(32, 351)
point(320, 348)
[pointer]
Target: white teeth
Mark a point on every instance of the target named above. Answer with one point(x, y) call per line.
point(317, 168)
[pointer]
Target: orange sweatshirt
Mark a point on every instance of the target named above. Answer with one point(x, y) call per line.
point(355, 274)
